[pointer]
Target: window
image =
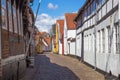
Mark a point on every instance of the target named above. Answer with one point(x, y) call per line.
point(10, 16)
point(86, 14)
point(15, 18)
point(94, 6)
point(109, 48)
point(103, 40)
point(99, 44)
point(21, 23)
point(116, 38)
point(100, 2)
point(4, 14)
point(103, 1)
point(90, 40)
point(88, 11)
point(18, 14)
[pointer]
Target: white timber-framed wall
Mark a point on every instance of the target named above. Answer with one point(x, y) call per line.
point(98, 22)
point(59, 40)
point(69, 34)
point(71, 44)
point(65, 38)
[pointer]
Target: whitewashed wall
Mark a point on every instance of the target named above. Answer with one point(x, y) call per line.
point(65, 38)
point(105, 60)
point(72, 48)
point(78, 45)
point(71, 33)
point(60, 47)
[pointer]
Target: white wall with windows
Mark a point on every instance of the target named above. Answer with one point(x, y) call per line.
point(89, 46)
point(106, 30)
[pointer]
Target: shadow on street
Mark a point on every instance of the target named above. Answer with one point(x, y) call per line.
point(45, 70)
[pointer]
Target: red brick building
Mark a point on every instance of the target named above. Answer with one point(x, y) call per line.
point(13, 29)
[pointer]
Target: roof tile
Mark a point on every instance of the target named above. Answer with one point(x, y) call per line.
point(70, 20)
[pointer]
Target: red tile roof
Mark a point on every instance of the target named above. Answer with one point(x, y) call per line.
point(70, 20)
point(42, 33)
point(48, 40)
point(61, 24)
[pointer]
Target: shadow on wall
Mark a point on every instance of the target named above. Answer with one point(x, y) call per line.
point(45, 70)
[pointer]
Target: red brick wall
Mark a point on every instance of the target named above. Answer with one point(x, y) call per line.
point(5, 44)
point(12, 44)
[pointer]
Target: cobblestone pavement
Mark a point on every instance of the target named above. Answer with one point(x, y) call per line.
point(50, 66)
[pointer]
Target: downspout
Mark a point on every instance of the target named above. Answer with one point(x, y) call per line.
point(76, 42)
point(119, 35)
point(95, 35)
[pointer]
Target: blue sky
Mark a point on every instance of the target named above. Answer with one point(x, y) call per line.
point(51, 10)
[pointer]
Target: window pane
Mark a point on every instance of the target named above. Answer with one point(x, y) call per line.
point(4, 14)
point(109, 48)
point(10, 16)
point(94, 6)
point(15, 18)
point(103, 40)
point(19, 21)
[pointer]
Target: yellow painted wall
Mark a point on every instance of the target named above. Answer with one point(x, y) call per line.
point(55, 49)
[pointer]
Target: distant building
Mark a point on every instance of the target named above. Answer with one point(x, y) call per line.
point(43, 42)
point(60, 25)
point(47, 44)
point(69, 34)
point(55, 40)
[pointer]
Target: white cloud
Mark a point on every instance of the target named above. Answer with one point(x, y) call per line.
point(52, 6)
point(45, 21)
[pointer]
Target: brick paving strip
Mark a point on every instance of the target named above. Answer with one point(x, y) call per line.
point(50, 66)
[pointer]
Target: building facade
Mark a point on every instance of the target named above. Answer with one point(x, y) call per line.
point(12, 41)
point(69, 34)
point(98, 35)
point(60, 24)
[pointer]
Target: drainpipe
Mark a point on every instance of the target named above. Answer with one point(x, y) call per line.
point(119, 35)
point(95, 34)
point(76, 43)
point(119, 25)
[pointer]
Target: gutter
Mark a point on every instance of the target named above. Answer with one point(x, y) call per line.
point(119, 35)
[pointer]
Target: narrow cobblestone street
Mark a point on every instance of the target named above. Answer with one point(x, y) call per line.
point(50, 66)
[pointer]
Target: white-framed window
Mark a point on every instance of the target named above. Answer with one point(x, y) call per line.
point(90, 42)
point(109, 44)
point(89, 10)
point(15, 17)
point(4, 14)
point(10, 16)
point(86, 13)
point(99, 41)
point(94, 6)
point(103, 40)
point(117, 37)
